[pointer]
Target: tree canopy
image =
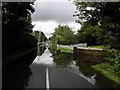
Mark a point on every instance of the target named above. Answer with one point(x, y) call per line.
point(17, 15)
point(16, 27)
point(105, 15)
point(64, 35)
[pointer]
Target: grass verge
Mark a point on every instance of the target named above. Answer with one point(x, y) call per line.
point(99, 47)
point(103, 69)
point(67, 50)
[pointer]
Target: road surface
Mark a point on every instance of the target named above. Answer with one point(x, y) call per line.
point(53, 71)
point(45, 74)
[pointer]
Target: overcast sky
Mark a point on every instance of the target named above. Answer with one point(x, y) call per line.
point(48, 15)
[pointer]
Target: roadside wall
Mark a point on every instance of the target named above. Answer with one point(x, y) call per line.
point(90, 54)
point(71, 46)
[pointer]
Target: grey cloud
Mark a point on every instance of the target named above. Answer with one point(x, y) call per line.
point(57, 11)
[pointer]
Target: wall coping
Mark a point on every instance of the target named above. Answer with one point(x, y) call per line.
point(88, 48)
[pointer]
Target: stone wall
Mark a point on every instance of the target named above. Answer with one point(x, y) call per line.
point(84, 45)
point(89, 54)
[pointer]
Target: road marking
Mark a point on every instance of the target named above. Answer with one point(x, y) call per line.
point(47, 80)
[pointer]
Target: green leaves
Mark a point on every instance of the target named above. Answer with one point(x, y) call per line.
point(113, 58)
point(93, 35)
point(106, 16)
point(64, 35)
point(17, 15)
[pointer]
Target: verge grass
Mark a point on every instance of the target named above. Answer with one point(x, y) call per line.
point(103, 68)
point(99, 47)
point(67, 50)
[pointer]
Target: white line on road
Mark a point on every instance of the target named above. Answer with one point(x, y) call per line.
point(47, 80)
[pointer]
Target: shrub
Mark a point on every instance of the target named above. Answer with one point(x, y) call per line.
point(113, 58)
point(53, 46)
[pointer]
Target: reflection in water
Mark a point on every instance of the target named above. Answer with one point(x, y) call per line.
point(45, 58)
point(105, 82)
point(17, 74)
point(82, 66)
point(63, 59)
point(87, 72)
point(85, 67)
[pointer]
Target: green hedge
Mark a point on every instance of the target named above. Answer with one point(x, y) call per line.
point(15, 40)
point(113, 59)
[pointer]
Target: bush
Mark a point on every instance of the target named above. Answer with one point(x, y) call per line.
point(113, 58)
point(53, 46)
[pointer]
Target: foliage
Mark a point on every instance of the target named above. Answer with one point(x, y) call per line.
point(105, 15)
point(67, 50)
point(101, 26)
point(113, 59)
point(53, 44)
point(97, 11)
point(43, 37)
point(16, 27)
point(39, 35)
point(64, 35)
point(17, 15)
point(92, 35)
point(104, 69)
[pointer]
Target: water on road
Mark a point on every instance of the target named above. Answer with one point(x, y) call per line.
point(58, 70)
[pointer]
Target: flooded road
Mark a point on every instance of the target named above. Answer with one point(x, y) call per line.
point(55, 71)
point(59, 77)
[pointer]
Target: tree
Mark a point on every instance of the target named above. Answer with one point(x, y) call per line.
point(17, 15)
point(16, 27)
point(106, 15)
point(64, 35)
point(92, 35)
